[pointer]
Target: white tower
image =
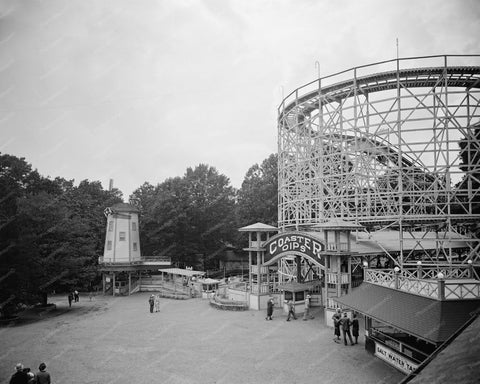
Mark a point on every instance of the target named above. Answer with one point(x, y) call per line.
point(122, 241)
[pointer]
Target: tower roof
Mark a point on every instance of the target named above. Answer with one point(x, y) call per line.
point(124, 207)
point(258, 227)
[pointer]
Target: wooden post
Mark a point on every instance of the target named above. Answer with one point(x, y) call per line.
point(258, 267)
point(419, 269)
point(441, 286)
point(396, 271)
point(327, 272)
point(339, 276)
point(103, 283)
point(298, 261)
point(113, 287)
point(129, 283)
point(349, 271)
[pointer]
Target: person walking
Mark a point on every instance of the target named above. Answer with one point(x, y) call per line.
point(76, 296)
point(43, 377)
point(345, 323)
point(19, 377)
point(306, 313)
point(337, 317)
point(269, 309)
point(355, 327)
point(151, 302)
point(291, 310)
point(70, 299)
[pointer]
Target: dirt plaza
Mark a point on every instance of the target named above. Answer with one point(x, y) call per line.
point(117, 340)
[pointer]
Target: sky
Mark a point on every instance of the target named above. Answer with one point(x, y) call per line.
point(138, 91)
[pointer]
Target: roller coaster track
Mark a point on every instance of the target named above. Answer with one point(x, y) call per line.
point(461, 76)
point(391, 145)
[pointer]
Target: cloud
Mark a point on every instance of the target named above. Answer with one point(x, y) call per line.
point(139, 91)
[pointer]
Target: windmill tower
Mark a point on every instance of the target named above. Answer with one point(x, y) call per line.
point(122, 240)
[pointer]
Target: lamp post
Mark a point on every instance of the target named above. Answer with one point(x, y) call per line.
point(397, 271)
point(365, 267)
point(419, 269)
point(441, 286)
point(470, 268)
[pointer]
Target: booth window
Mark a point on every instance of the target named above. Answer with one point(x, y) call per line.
point(134, 226)
point(109, 245)
point(134, 246)
point(288, 295)
point(121, 236)
point(110, 226)
point(299, 296)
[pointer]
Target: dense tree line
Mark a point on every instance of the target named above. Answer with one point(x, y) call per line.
point(52, 232)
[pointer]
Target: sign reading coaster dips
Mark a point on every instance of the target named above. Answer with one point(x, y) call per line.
point(294, 242)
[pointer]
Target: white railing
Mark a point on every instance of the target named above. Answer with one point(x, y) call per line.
point(435, 288)
point(264, 288)
point(263, 270)
point(431, 271)
point(332, 278)
point(384, 277)
point(455, 291)
point(419, 287)
point(164, 260)
point(331, 303)
point(257, 244)
point(333, 247)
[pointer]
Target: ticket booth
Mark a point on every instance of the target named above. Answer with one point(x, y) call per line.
point(297, 292)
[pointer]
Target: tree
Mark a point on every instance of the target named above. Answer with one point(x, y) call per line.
point(52, 247)
point(17, 182)
point(51, 232)
point(188, 218)
point(258, 195)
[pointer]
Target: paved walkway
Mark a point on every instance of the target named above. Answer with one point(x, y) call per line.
point(117, 340)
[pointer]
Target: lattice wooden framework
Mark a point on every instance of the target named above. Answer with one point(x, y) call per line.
point(288, 269)
point(390, 145)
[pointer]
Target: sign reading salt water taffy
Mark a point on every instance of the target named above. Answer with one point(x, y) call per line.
point(296, 243)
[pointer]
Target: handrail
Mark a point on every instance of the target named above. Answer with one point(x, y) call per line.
point(435, 288)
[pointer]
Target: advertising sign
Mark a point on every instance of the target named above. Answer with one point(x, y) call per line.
point(294, 242)
point(395, 359)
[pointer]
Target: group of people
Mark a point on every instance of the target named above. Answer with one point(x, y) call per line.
point(24, 375)
point(344, 323)
point(73, 296)
point(291, 309)
point(154, 303)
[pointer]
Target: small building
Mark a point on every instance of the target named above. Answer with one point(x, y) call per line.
point(122, 263)
point(410, 312)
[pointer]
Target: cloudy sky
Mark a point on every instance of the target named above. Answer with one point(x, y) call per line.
point(138, 91)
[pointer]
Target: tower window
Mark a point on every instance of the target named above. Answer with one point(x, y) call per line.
point(121, 236)
point(110, 226)
point(134, 246)
point(134, 226)
point(109, 245)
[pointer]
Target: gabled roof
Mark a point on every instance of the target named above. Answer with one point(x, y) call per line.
point(428, 319)
point(258, 227)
